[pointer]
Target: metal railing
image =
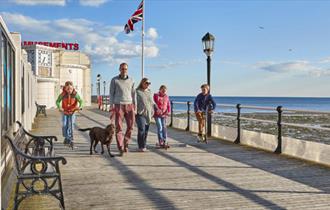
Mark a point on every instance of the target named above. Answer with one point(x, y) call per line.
point(105, 103)
point(279, 123)
point(238, 112)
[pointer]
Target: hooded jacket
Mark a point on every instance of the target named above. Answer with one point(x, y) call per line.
point(204, 102)
point(69, 101)
point(163, 106)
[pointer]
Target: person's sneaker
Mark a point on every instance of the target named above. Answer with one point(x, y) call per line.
point(161, 143)
point(126, 148)
point(200, 137)
point(144, 150)
point(121, 152)
point(204, 137)
point(71, 144)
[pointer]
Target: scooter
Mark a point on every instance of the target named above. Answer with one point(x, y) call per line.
point(70, 143)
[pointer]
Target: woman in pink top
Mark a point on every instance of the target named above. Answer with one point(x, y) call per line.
point(163, 108)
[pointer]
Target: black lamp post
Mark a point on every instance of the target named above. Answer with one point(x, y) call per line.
point(208, 47)
point(104, 102)
point(98, 79)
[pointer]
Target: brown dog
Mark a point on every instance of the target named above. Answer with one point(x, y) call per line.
point(104, 135)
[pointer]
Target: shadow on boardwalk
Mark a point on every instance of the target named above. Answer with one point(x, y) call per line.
point(309, 174)
point(304, 172)
point(189, 175)
point(134, 179)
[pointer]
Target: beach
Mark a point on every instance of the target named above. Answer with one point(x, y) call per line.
point(316, 120)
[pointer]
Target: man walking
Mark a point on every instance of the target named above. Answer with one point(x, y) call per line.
point(122, 102)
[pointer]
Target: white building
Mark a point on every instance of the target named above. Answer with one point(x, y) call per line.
point(17, 98)
point(53, 67)
point(33, 74)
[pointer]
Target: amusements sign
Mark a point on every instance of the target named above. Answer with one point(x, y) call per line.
point(67, 46)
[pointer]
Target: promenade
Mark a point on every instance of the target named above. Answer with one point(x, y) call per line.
point(190, 175)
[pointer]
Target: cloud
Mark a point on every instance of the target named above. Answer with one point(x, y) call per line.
point(26, 24)
point(98, 40)
point(152, 33)
point(92, 3)
point(294, 67)
point(325, 60)
point(40, 2)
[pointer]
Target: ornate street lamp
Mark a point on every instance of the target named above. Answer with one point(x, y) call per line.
point(104, 101)
point(98, 86)
point(208, 47)
point(98, 79)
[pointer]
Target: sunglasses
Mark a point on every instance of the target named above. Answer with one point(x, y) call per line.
point(148, 83)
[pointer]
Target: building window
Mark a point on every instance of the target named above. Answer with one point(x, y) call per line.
point(29, 91)
point(13, 86)
point(8, 83)
point(22, 89)
point(9, 86)
point(4, 114)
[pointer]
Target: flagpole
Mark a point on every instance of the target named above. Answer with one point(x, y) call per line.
point(142, 62)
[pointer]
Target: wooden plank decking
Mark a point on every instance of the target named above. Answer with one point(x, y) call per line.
point(189, 175)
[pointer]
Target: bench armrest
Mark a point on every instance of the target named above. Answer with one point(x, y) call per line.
point(17, 151)
point(35, 136)
point(47, 138)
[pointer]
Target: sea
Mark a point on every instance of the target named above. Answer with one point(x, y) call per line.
point(299, 103)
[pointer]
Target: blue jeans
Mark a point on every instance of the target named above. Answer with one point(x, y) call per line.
point(143, 129)
point(161, 128)
point(67, 127)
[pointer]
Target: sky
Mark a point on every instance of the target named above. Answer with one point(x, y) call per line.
point(262, 48)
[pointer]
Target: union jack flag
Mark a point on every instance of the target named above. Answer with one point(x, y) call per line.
point(136, 17)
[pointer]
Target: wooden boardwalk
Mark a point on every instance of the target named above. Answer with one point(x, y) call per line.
point(189, 175)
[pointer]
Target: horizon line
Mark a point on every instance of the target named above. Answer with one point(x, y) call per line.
point(250, 96)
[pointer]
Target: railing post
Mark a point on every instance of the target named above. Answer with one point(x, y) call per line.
point(188, 116)
point(279, 130)
point(106, 103)
point(171, 124)
point(103, 106)
point(238, 138)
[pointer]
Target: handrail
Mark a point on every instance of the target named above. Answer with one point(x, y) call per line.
point(179, 102)
point(227, 105)
point(259, 107)
point(279, 110)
